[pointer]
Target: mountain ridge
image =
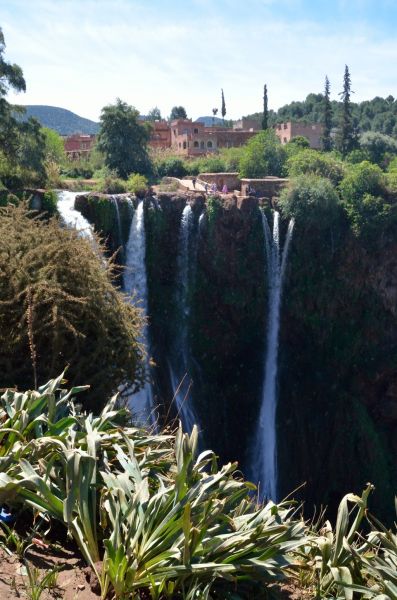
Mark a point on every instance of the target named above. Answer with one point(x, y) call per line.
point(62, 120)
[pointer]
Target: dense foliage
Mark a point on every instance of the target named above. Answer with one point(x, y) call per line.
point(154, 520)
point(378, 114)
point(58, 307)
point(123, 140)
point(310, 199)
point(263, 155)
point(22, 144)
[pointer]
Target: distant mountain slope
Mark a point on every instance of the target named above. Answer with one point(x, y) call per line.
point(63, 121)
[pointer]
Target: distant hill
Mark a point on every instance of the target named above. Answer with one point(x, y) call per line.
point(63, 121)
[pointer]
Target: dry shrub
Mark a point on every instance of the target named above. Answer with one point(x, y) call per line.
point(58, 307)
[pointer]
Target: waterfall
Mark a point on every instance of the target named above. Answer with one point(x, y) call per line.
point(265, 462)
point(70, 216)
point(116, 206)
point(135, 285)
point(179, 363)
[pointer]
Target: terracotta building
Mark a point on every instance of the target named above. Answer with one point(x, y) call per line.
point(286, 131)
point(160, 136)
point(193, 138)
point(78, 145)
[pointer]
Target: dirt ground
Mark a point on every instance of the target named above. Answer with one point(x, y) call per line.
point(70, 583)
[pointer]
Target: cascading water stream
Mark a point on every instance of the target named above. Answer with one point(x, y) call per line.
point(70, 216)
point(178, 365)
point(116, 206)
point(135, 285)
point(265, 462)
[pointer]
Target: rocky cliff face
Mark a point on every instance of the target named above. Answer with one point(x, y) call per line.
point(337, 412)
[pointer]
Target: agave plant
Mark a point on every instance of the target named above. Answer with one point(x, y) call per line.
point(158, 517)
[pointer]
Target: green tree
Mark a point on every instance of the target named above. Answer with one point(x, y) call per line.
point(154, 114)
point(326, 139)
point(54, 147)
point(123, 140)
point(21, 142)
point(265, 117)
point(311, 200)
point(178, 112)
point(263, 155)
point(378, 146)
point(310, 161)
point(223, 108)
point(346, 139)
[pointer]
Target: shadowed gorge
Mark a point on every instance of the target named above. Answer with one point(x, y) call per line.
point(336, 383)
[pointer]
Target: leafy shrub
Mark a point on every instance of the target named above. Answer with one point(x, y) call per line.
point(137, 184)
point(364, 178)
point(58, 306)
point(377, 145)
point(111, 185)
point(263, 155)
point(49, 202)
point(314, 162)
point(366, 200)
point(231, 158)
point(78, 169)
point(171, 167)
point(357, 156)
point(311, 200)
point(163, 520)
point(211, 164)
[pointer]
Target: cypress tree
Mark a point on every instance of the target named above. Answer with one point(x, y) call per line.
point(265, 109)
point(346, 137)
point(326, 139)
point(223, 109)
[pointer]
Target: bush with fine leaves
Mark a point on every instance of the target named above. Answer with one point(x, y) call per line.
point(58, 307)
point(311, 200)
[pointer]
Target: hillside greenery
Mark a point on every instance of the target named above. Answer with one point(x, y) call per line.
point(378, 114)
point(61, 120)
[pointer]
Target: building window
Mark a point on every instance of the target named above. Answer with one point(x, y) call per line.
point(201, 144)
point(195, 130)
point(209, 144)
point(179, 144)
point(196, 144)
point(174, 131)
point(184, 145)
point(285, 125)
point(279, 126)
point(285, 140)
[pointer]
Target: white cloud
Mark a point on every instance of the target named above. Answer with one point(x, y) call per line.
point(82, 55)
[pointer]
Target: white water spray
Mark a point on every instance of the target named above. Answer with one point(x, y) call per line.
point(265, 462)
point(116, 206)
point(70, 216)
point(135, 285)
point(178, 365)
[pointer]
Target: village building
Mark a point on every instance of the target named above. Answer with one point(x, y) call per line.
point(286, 131)
point(160, 135)
point(79, 146)
point(193, 138)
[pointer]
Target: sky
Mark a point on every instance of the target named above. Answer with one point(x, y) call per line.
point(83, 54)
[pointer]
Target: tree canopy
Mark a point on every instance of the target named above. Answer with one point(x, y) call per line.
point(178, 112)
point(123, 140)
point(263, 155)
point(21, 142)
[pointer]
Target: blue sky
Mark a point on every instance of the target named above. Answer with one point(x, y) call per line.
point(83, 54)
